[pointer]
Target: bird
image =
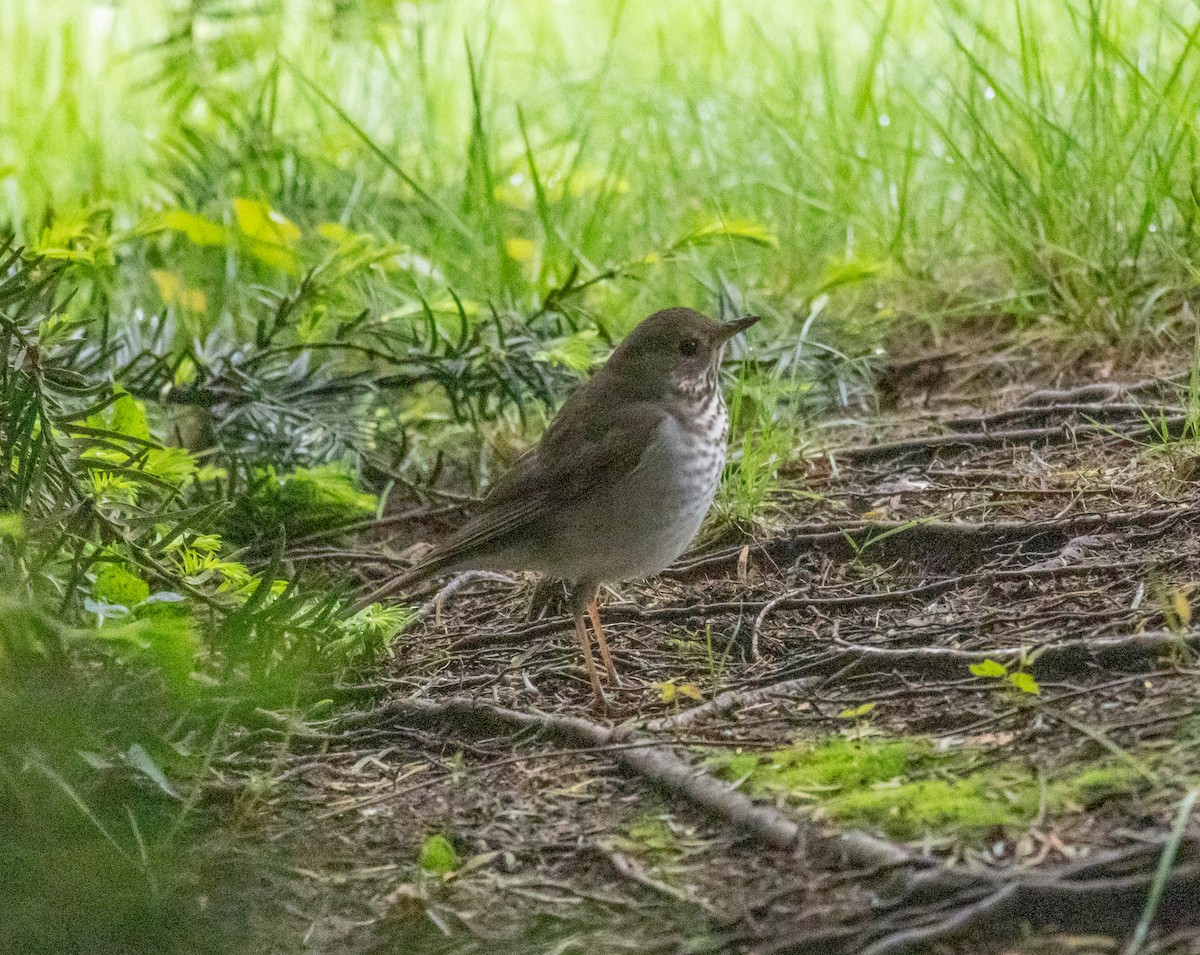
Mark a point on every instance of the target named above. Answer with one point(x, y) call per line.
point(618, 485)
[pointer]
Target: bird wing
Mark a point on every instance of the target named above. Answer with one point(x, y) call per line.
point(589, 444)
point(586, 447)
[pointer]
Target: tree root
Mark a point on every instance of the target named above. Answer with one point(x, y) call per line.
point(1104, 894)
point(944, 543)
point(1051, 660)
point(927, 447)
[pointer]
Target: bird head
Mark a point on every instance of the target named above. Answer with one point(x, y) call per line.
point(676, 350)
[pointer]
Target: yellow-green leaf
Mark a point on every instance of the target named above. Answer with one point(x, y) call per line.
point(690, 690)
point(855, 712)
point(742, 229)
point(336, 233)
point(989, 668)
point(125, 416)
point(199, 230)
point(174, 292)
point(850, 273)
point(438, 855)
point(267, 235)
point(573, 351)
point(260, 222)
point(521, 250)
point(1182, 607)
point(667, 690)
point(1024, 682)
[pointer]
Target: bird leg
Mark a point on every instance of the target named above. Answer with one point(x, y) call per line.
point(593, 612)
point(586, 645)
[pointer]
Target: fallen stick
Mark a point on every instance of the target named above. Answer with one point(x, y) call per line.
point(1096, 412)
point(729, 700)
point(1094, 391)
point(659, 765)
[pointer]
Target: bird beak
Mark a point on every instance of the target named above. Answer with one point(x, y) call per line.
point(729, 329)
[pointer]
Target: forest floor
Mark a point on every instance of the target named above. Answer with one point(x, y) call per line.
point(784, 691)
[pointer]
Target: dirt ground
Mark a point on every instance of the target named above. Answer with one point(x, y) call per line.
point(1049, 530)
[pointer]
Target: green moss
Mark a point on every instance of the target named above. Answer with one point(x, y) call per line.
point(834, 764)
point(907, 789)
point(909, 810)
point(649, 836)
point(1096, 785)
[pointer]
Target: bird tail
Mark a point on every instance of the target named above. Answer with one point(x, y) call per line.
point(431, 566)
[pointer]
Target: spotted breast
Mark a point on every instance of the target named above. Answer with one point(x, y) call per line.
point(645, 521)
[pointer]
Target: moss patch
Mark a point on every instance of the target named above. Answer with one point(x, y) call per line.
point(652, 838)
point(1095, 785)
point(909, 810)
point(835, 764)
point(906, 788)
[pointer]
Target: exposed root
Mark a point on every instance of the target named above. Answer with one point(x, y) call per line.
point(1056, 659)
point(927, 447)
point(957, 543)
point(1104, 894)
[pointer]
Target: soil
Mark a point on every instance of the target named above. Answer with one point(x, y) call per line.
point(991, 510)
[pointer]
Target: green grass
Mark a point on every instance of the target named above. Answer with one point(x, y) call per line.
point(909, 160)
point(469, 203)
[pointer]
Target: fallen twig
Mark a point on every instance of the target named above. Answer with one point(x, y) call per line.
point(1093, 391)
point(659, 765)
point(730, 700)
point(1047, 661)
point(1095, 412)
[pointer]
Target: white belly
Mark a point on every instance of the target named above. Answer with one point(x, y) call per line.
point(644, 522)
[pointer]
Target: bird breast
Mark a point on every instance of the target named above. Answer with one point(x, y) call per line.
point(644, 521)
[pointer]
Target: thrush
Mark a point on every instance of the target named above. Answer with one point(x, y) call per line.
point(620, 482)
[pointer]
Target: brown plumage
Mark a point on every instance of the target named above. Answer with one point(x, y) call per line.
point(620, 482)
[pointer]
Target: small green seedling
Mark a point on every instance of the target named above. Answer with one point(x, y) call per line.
point(857, 713)
point(1018, 679)
point(672, 690)
point(438, 856)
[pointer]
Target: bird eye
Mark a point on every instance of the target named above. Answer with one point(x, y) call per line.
point(689, 346)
